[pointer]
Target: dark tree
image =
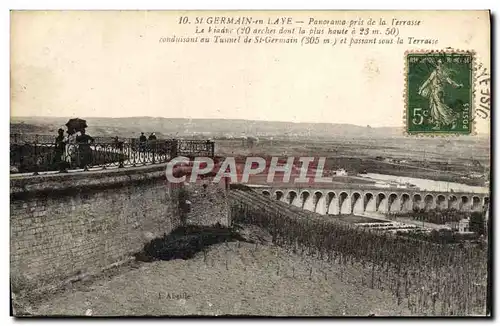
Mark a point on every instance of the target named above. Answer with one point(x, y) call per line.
point(477, 223)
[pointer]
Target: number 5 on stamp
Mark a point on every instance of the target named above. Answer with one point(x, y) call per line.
point(439, 92)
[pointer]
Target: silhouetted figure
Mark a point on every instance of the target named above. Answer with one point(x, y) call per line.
point(60, 137)
point(116, 142)
point(152, 142)
point(85, 151)
point(142, 142)
point(59, 149)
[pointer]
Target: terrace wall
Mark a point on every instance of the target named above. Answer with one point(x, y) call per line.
point(65, 226)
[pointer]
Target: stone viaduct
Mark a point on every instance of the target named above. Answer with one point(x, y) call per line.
point(343, 200)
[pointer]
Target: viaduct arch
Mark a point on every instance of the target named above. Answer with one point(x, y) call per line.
point(377, 200)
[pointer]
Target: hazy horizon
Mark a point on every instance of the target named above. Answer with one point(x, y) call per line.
point(185, 118)
point(105, 63)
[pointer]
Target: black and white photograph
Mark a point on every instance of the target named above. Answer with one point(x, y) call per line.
point(250, 163)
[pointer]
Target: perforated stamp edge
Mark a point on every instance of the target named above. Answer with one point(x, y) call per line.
point(473, 93)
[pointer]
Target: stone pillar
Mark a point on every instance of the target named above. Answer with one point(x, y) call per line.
point(321, 205)
point(333, 206)
point(308, 203)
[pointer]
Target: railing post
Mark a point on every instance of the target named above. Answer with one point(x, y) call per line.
point(87, 156)
point(106, 153)
point(144, 152)
point(120, 160)
point(153, 150)
point(36, 158)
point(77, 150)
point(132, 150)
point(174, 148)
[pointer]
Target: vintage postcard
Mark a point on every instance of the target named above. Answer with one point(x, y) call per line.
point(250, 163)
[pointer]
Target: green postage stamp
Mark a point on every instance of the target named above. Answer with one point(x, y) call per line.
point(439, 92)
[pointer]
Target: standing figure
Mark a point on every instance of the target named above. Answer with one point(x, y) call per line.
point(59, 149)
point(142, 142)
point(433, 90)
point(85, 152)
point(152, 143)
point(116, 143)
point(71, 146)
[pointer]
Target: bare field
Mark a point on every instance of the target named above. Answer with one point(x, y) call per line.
point(406, 148)
point(235, 278)
point(435, 159)
point(401, 147)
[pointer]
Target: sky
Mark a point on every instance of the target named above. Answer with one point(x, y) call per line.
point(111, 64)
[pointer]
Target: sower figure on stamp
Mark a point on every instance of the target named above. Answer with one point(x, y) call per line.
point(433, 89)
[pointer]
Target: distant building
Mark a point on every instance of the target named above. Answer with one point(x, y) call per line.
point(463, 225)
point(340, 172)
point(382, 184)
point(249, 142)
point(476, 163)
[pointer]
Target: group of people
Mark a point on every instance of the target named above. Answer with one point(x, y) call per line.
point(143, 141)
point(73, 149)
